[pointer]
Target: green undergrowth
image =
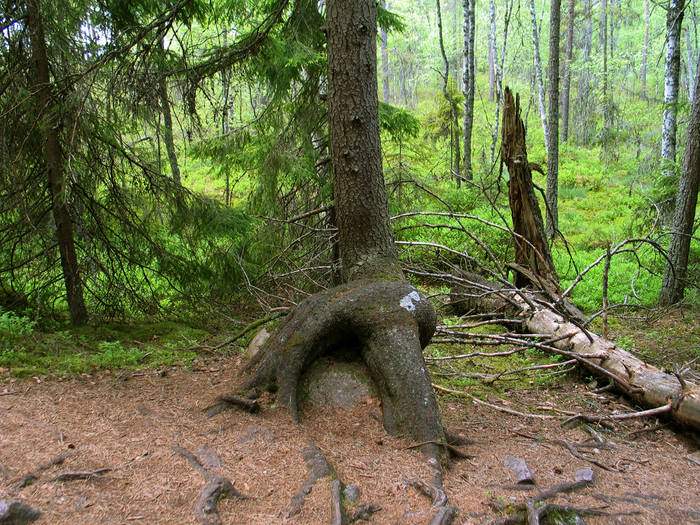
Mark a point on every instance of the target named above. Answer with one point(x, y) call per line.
point(26, 351)
point(466, 374)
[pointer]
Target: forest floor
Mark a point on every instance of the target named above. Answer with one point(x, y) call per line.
point(128, 422)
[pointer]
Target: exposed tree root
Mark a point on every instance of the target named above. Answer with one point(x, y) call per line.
point(364, 512)
point(81, 475)
point(318, 468)
point(216, 488)
point(391, 321)
point(337, 513)
point(444, 516)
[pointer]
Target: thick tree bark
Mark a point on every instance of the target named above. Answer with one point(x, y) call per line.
point(645, 49)
point(567, 71)
point(469, 81)
point(538, 73)
point(674, 18)
point(552, 222)
point(531, 248)
point(673, 283)
point(366, 240)
point(384, 38)
point(53, 157)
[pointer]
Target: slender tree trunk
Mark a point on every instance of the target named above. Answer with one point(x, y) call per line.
point(500, 66)
point(168, 137)
point(492, 58)
point(53, 157)
point(469, 84)
point(645, 49)
point(674, 18)
point(538, 72)
point(604, 29)
point(567, 71)
point(384, 37)
point(367, 246)
point(673, 283)
point(455, 147)
point(553, 122)
point(225, 110)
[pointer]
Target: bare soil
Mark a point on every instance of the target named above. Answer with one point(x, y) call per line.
point(128, 422)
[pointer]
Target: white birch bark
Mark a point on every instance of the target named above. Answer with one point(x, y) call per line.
point(538, 72)
point(674, 18)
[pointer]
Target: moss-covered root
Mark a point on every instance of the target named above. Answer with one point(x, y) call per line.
point(391, 321)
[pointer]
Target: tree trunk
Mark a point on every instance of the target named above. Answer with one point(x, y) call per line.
point(469, 84)
point(492, 58)
point(366, 240)
point(531, 248)
point(389, 319)
point(606, 102)
point(225, 110)
point(538, 73)
point(168, 136)
point(567, 71)
point(645, 49)
point(383, 36)
point(54, 166)
point(674, 18)
point(643, 383)
point(673, 283)
point(455, 147)
point(553, 122)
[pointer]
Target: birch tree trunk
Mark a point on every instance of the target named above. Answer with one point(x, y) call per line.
point(567, 71)
point(492, 58)
point(645, 49)
point(674, 18)
point(538, 73)
point(469, 79)
point(553, 122)
point(673, 283)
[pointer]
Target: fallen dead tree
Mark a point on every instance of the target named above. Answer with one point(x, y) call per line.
point(643, 383)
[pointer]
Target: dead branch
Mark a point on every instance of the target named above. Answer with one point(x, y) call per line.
point(72, 476)
point(572, 449)
point(496, 407)
point(629, 415)
point(251, 326)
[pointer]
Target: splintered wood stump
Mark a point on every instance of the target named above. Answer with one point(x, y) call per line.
point(531, 248)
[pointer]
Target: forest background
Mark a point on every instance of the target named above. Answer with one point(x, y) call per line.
point(165, 166)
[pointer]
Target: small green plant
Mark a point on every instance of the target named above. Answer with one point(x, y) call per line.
point(112, 354)
point(13, 326)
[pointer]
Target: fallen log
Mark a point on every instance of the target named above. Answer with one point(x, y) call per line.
point(643, 383)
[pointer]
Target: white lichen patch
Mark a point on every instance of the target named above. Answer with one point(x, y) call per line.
point(409, 301)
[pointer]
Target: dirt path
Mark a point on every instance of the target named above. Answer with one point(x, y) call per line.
point(128, 423)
